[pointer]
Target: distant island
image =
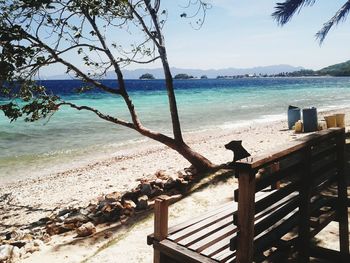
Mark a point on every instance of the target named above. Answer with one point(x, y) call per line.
point(336, 70)
point(341, 69)
point(147, 76)
point(183, 76)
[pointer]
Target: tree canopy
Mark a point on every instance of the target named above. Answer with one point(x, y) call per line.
point(35, 34)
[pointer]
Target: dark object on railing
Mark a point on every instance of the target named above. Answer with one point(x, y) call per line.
point(293, 116)
point(238, 150)
point(310, 120)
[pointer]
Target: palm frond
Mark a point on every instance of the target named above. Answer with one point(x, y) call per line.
point(285, 11)
point(339, 16)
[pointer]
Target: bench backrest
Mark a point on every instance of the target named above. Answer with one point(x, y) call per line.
point(279, 192)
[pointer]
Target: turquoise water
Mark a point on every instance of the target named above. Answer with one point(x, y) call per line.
point(71, 135)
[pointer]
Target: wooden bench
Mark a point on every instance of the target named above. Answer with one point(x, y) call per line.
point(284, 198)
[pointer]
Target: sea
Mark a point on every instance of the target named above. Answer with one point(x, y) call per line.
point(72, 136)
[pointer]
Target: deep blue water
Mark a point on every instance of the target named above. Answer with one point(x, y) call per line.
point(202, 104)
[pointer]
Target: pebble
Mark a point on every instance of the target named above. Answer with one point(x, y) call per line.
point(86, 230)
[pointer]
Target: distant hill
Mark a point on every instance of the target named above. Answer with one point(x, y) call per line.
point(197, 73)
point(210, 73)
point(341, 69)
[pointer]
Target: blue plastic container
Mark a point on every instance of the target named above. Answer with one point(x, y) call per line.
point(310, 119)
point(293, 116)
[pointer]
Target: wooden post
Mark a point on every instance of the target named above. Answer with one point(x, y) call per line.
point(160, 224)
point(342, 210)
point(304, 208)
point(246, 212)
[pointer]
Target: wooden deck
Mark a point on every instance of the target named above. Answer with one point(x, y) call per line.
point(282, 201)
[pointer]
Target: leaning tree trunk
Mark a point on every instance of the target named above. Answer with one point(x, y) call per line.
point(196, 159)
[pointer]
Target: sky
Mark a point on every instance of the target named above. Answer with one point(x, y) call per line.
point(242, 34)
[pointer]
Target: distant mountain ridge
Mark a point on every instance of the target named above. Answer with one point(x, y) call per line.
point(210, 73)
point(340, 69)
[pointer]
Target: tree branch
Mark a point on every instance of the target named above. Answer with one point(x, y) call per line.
point(99, 114)
point(144, 26)
point(123, 91)
point(79, 45)
point(139, 62)
point(71, 66)
point(146, 132)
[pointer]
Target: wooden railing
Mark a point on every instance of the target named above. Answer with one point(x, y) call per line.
point(284, 199)
point(292, 180)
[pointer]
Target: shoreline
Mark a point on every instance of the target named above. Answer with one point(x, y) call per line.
point(59, 163)
point(124, 170)
point(35, 198)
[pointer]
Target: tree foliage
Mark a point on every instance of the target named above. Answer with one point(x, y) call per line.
point(42, 33)
point(284, 11)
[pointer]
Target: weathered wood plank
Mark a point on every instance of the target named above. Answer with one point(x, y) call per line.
point(206, 232)
point(214, 238)
point(342, 198)
point(275, 197)
point(318, 150)
point(304, 208)
point(206, 215)
point(246, 211)
point(200, 225)
point(160, 225)
point(322, 154)
point(224, 255)
point(160, 218)
point(180, 253)
point(216, 247)
point(270, 237)
point(273, 217)
point(325, 167)
point(278, 176)
point(288, 148)
point(194, 220)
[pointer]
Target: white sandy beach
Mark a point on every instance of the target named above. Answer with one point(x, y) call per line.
point(34, 198)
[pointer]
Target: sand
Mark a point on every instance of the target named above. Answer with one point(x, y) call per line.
point(34, 198)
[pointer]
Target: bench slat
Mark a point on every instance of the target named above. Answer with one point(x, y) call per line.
point(217, 247)
point(197, 219)
point(200, 225)
point(213, 238)
point(224, 255)
point(180, 253)
point(206, 231)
